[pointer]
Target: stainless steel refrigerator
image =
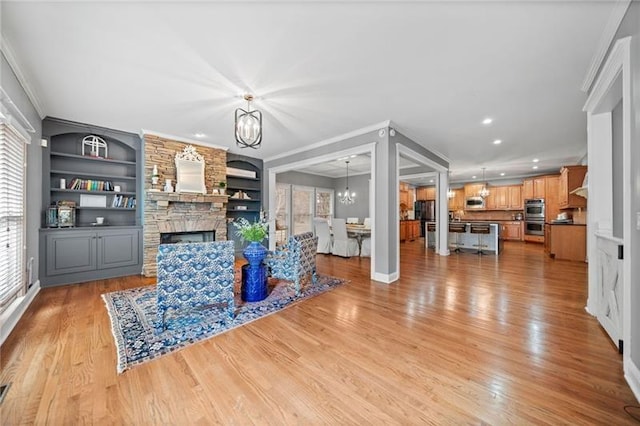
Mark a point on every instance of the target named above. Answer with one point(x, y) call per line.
point(425, 211)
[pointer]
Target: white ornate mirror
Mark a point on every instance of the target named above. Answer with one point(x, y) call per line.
point(190, 171)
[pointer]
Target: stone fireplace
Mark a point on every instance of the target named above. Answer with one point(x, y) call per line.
point(170, 212)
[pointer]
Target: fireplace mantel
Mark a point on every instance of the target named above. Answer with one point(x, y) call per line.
point(164, 198)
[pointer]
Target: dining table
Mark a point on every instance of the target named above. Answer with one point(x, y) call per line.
point(358, 232)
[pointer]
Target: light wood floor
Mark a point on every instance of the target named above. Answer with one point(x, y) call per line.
point(458, 340)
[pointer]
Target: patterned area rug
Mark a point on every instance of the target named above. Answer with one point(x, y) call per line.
point(133, 317)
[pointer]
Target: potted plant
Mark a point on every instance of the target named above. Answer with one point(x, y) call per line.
point(222, 187)
point(254, 275)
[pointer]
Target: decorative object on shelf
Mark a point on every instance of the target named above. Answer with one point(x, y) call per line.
point(484, 192)
point(168, 187)
point(232, 171)
point(96, 143)
point(248, 126)
point(254, 275)
point(90, 200)
point(116, 188)
point(61, 215)
point(190, 171)
point(63, 183)
point(222, 187)
point(154, 175)
point(347, 197)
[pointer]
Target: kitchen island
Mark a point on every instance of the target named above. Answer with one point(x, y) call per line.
point(468, 241)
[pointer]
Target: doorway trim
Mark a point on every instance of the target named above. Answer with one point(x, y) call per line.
point(613, 85)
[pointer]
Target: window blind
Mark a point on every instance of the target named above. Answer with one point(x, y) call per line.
point(12, 194)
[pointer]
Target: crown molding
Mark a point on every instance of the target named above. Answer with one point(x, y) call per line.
point(13, 63)
point(619, 56)
point(609, 32)
point(144, 132)
point(344, 136)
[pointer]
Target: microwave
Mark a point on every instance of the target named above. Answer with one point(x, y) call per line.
point(474, 203)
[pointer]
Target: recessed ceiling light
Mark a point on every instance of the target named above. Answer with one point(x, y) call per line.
point(502, 174)
point(497, 142)
point(199, 135)
point(487, 121)
point(535, 160)
point(431, 180)
point(473, 177)
point(534, 167)
point(354, 156)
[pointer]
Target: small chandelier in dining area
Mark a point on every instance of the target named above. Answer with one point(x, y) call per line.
point(347, 197)
point(248, 126)
point(450, 192)
point(484, 192)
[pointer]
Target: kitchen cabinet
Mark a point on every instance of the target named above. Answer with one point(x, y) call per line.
point(515, 197)
point(424, 193)
point(566, 242)
point(457, 201)
point(504, 198)
point(571, 177)
point(512, 231)
point(551, 208)
point(78, 255)
point(472, 189)
point(534, 188)
point(409, 230)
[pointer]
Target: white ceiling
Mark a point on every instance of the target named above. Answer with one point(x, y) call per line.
point(321, 69)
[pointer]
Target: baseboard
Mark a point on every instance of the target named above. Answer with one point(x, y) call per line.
point(386, 278)
point(589, 311)
point(632, 374)
point(14, 312)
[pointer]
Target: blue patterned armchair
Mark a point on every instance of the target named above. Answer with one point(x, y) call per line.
point(295, 260)
point(193, 277)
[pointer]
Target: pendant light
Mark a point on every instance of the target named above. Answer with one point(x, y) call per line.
point(484, 192)
point(450, 193)
point(248, 126)
point(347, 197)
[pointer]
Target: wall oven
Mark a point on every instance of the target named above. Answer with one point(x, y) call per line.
point(534, 209)
point(534, 227)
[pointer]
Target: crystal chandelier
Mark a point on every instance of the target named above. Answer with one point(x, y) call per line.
point(347, 197)
point(484, 192)
point(248, 126)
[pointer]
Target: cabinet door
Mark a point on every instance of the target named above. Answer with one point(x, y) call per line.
point(563, 188)
point(472, 189)
point(527, 189)
point(431, 193)
point(490, 203)
point(539, 188)
point(515, 197)
point(421, 193)
point(459, 197)
point(502, 197)
point(403, 230)
point(71, 251)
point(117, 248)
point(551, 209)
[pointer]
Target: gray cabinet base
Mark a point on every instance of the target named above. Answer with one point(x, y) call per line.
point(79, 255)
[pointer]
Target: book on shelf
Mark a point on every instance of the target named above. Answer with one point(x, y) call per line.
point(121, 201)
point(90, 185)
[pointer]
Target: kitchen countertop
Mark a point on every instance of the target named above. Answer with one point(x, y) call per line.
point(565, 224)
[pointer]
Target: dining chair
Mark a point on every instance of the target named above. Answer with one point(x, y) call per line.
point(324, 235)
point(343, 245)
point(367, 222)
point(353, 220)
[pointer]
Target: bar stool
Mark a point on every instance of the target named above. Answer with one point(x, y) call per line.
point(457, 228)
point(481, 229)
point(431, 229)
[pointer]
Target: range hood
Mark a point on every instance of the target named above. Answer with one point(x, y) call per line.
point(583, 190)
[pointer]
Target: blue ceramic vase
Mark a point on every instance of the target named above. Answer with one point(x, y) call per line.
point(254, 275)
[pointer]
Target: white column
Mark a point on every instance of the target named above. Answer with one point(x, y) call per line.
point(442, 214)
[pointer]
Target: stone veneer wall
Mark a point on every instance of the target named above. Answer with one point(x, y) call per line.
point(185, 212)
